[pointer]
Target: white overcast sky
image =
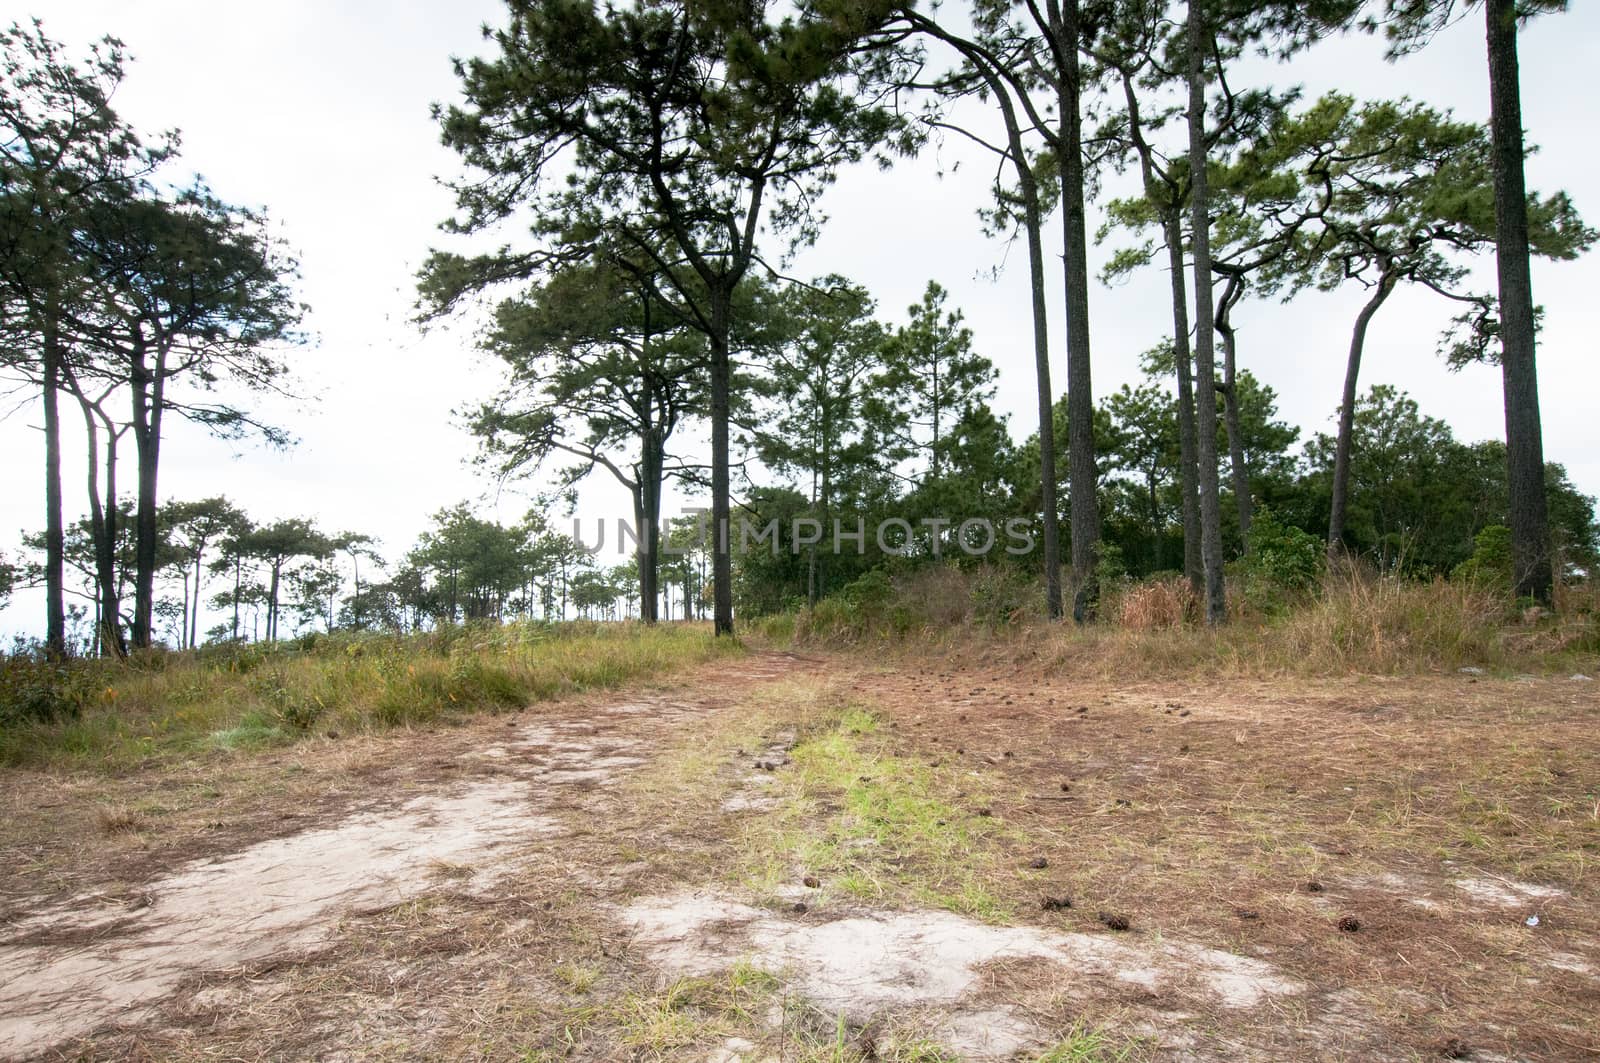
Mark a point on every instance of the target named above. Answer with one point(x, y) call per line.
point(319, 112)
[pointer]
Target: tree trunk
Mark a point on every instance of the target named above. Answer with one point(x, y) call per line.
point(272, 603)
point(1188, 458)
point(238, 567)
point(647, 516)
point(103, 531)
point(1165, 192)
point(1216, 600)
point(358, 610)
point(937, 400)
point(148, 400)
point(1347, 414)
point(194, 617)
point(97, 529)
point(1239, 471)
point(55, 540)
point(1530, 526)
point(648, 508)
point(1033, 223)
point(721, 533)
point(648, 497)
point(688, 590)
point(1085, 511)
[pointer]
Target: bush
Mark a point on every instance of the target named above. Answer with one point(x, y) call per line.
point(1001, 594)
point(1282, 561)
point(1366, 623)
point(1490, 562)
point(33, 690)
point(870, 594)
point(936, 595)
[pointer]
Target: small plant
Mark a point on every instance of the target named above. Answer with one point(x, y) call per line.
point(871, 593)
point(287, 707)
point(1001, 595)
point(1490, 563)
point(1282, 561)
point(33, 690)
point(1084, 1045)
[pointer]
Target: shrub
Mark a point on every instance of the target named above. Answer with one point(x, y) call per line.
point(1490, 562)
point(1389, 624)
point(33, 690)
point(869, 594)
point(936, 595)
point(1001, 594)
point(1282, 561)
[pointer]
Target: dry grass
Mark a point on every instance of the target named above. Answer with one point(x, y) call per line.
point(1205, 810)
point(253, 697)
point(1159, 604)
point(1355, 624)
point(117, 819)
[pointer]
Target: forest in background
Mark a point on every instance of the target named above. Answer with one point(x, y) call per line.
point(649, 167)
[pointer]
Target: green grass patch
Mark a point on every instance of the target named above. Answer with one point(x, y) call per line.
point(1085, 1045)
point(693, 1017)
point(876, 826)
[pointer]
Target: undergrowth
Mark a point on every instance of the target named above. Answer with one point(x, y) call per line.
point(1350, 622)
point(261, 695)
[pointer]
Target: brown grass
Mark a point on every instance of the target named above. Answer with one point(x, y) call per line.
point(117, 819)
point(1355, 624)
point(1160, 604)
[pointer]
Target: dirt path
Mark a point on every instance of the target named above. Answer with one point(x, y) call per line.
point(1230, 870)
point(77, 965)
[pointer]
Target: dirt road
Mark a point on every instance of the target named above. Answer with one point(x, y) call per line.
point(75, 965)
point(635, 876)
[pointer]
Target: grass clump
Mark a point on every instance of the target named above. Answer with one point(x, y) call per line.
point(250, 697)
point(1086, 1045)
point(694, 1017)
